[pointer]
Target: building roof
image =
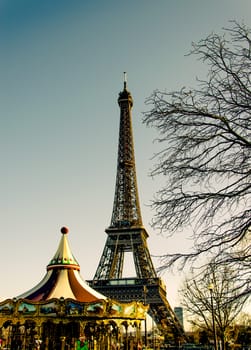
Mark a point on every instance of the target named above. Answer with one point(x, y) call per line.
point(62, 279)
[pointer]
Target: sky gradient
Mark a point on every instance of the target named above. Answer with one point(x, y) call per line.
point(62, 65)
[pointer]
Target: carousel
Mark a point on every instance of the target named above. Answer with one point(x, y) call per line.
point(64, 312)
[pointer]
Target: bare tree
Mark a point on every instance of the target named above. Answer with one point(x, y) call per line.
point(199, 301)
point(205, 157)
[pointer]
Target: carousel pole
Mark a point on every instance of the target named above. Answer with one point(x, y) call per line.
point(47, 343)
point(62, 343)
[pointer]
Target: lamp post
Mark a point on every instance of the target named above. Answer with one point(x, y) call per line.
point(211, 288)
point(145, 292)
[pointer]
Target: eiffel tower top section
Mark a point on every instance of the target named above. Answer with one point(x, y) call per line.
point(126, 209)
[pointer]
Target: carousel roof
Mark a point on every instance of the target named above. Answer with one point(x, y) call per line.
point(63, 278)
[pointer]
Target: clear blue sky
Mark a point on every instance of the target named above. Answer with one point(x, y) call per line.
point(61, 65)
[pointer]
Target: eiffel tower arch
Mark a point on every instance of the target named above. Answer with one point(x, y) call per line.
point(126, 234)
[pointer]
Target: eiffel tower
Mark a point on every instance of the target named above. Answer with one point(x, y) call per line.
point(126, 234)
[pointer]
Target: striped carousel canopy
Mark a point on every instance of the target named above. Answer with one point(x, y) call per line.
point(63, 279)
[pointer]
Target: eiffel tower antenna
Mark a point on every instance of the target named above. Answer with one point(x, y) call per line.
point(125, 80)
point(126, 234)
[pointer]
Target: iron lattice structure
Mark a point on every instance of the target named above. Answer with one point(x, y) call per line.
point(126, 233)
